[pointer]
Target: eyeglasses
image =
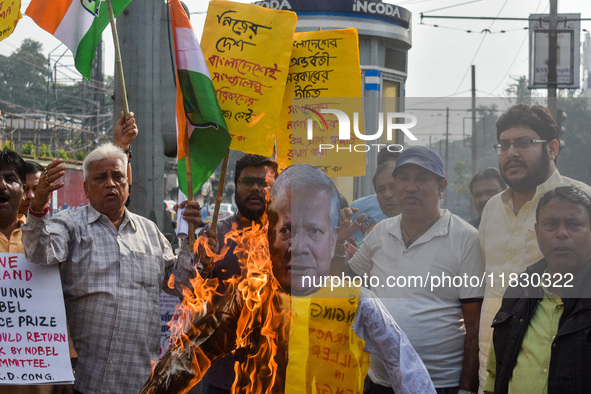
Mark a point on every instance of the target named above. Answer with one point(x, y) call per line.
point(519, 145)
point(247, 183)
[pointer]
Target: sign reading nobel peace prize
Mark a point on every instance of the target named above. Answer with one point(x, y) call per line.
point(324, 69)
point(33, 332)
point(247, 50)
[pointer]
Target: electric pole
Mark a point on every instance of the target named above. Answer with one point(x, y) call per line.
point(474, 134)
point(552, 61)
point(146, 58)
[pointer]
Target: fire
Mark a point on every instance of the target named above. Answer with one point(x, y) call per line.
point(262, 325)
point(252, 315)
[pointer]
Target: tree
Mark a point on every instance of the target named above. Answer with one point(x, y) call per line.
point(462, 180)
point(520, 90)
point(23, 76)
point(573, 159)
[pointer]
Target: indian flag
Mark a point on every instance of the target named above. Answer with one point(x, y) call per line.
point(201, 130)
point(78, 24)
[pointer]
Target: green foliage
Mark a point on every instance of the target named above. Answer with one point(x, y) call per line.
point(23, 75)
point(44, 151)
point(8, 145)
point(462, 180)
point(61, 153)
point(573, 159)
point(80, 155)
point(28, 149)
point(519, 89)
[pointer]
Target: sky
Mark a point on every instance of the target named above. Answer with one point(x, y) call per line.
point(440, 58)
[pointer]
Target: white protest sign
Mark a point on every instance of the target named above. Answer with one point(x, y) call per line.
point(33, 331)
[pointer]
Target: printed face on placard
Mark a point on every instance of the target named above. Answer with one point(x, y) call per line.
point(300, 239)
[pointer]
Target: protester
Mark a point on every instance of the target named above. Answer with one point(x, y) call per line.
point(485, 184)
point(14, 170)
point(369, 206)
point(33, 172)
point(541, 332)
point(303, 217)
point(383, 183)
point(12, 179)
point(113, 265)
point(441, 322)
point(124, 132)
point(253, 176)
point(528, 149)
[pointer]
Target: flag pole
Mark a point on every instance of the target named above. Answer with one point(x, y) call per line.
point(118, 63)
point(220, 193)
point(189, 183)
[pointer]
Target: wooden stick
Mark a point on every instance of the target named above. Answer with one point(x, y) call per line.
point(118, 63)
point(220, 193)
point(189, 183)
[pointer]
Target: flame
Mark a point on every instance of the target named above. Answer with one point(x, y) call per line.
point(262, 328)
point(259, 314)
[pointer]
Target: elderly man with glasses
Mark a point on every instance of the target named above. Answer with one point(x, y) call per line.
point(528, 148)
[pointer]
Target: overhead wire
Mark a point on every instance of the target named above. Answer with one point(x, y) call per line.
point(452, 6)
point(479, 46)
point(518, 51)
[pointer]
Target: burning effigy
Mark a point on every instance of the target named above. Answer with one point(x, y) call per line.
point(250, 316)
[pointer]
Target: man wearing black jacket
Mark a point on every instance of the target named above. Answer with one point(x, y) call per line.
point(542, 337)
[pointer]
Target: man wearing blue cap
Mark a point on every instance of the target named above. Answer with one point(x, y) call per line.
point(420, 264)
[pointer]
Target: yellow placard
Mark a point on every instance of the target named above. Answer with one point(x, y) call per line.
point(10, 13)
point(247, 49)
point(325, 355)
point(324, 64)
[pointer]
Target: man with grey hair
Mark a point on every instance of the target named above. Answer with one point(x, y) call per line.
point(113, 265)
point(301, 186)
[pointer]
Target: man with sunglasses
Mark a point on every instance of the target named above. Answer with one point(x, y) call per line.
point(528, 148)
point(253, 177)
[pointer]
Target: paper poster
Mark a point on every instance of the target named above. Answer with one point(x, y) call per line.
point(325, 355)
point(247, 49)
point(10, 13)
point(168, 304)
point(324, 64)
point(33, 330)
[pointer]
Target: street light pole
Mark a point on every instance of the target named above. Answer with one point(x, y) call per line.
point(552, 60)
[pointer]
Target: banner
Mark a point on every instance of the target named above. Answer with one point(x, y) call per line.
point(247, 50)
point(33, 331)
point(324, 64)
point(10, 13)
point(168, 304)
point(325, 355)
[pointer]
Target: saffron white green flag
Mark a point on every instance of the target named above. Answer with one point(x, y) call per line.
point(78, 24)
point(201, 129)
